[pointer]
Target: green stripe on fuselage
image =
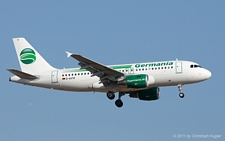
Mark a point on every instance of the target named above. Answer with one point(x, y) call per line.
point(121, 67)
point(84, 70)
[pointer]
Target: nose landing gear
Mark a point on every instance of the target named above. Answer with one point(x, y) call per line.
point(181, 94)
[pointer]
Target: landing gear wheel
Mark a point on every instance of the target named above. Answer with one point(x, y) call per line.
point(119, 103)
point(181, 95)
point(110, 95)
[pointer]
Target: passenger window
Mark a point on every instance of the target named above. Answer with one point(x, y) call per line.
point(143, 69)
point(171, 67)
point(84, 73)
point(158, 68)
point(165, 67)
point(63, 75)
point(152, 68)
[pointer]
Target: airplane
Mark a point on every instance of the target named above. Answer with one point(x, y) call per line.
point(139, 80)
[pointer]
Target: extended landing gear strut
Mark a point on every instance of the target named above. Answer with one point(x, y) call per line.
point(118, 102)
point(181, 94)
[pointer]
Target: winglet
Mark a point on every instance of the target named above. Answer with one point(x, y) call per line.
point(68, 54)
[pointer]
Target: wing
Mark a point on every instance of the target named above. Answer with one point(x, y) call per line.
point(105, 73)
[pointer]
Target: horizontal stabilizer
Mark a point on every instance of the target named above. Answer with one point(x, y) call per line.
point(22, 74)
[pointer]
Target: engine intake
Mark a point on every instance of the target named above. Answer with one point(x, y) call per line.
point(148, 94)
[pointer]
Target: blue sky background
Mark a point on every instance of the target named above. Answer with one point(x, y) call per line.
point(113, 32)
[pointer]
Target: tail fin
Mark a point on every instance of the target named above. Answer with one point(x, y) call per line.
point(30, 60)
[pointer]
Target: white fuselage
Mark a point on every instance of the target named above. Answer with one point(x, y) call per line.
point(165, 73)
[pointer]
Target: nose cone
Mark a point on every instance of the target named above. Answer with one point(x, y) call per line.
point(208, 74)
point(201, 75)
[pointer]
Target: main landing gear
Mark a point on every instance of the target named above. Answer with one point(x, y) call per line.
point(181, 94)
point(118, 102)
point(110, 95)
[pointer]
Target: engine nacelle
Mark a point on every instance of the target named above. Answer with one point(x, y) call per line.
point(148, 94)
point(137, 81)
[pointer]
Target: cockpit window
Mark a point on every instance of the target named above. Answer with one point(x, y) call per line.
point(195, 66)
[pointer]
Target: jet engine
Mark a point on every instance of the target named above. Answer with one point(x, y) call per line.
point(148, 94)
point(137, 81)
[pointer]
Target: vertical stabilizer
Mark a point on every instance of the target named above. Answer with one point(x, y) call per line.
point(30, 60)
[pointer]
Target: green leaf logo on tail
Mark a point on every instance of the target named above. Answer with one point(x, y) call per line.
point(27, 56)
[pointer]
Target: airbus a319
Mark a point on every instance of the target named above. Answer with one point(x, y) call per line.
point(138, 80)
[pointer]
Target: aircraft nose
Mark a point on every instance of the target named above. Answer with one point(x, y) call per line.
point(208, 74)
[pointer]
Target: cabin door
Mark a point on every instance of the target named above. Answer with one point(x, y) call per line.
point(54, 76)
point(179, 67)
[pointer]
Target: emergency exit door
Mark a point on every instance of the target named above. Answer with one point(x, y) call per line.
point(131, 70)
